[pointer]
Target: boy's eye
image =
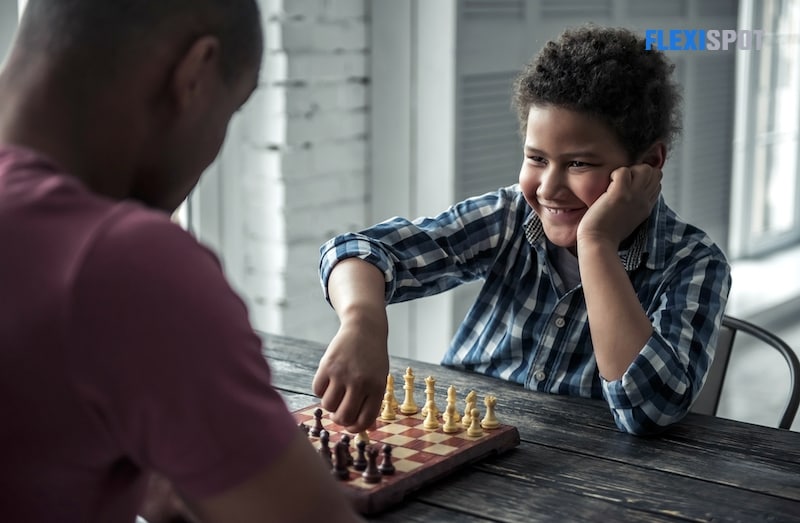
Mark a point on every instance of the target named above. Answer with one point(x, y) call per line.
point(576, 163)
point(537, 159)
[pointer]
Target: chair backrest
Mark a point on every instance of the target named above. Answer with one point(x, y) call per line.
point(708, 399)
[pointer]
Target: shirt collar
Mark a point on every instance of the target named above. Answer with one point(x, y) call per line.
point(645, 245)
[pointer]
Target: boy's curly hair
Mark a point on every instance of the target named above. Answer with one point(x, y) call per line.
point(608, 74)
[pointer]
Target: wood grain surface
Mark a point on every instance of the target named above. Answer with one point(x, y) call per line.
point(573, 464)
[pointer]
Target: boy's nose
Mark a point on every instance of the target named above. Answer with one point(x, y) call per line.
point(551, 183)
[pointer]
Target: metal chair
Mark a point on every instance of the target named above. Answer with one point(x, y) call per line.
point(708, 400)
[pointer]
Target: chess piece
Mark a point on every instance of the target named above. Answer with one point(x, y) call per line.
point(388, 412)
point(409, 406)
point(371, 474)
point(360, 463)
point(450, 423)
point(346, 441)
point(475, 429)
point(317, 428)
point(387, 468)
point(362, 436)
point(470, 401)
point(430, 390)
point(303, 428)
point(324, 448)
point(340, 469)
point(430, 423)
point(451, 398)
point(489, 421)
point(390, 389)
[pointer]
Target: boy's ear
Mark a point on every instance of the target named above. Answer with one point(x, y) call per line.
point(194, 72)
point(655, 155)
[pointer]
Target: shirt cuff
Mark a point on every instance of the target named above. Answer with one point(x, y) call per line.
point(656, 375)
point(353, 245)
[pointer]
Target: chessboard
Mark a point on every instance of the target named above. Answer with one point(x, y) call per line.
point(419, 456)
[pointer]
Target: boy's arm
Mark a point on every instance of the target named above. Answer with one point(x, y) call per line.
point(393, 261)
point(351, 378)
point(618, 323)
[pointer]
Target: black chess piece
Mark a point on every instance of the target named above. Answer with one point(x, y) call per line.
point(360, 463)
point(340, 469)
point(346, 440)
point(324, 448)
point(371, 474)
point(387, 468)
point(317, 428)
point(303, 428)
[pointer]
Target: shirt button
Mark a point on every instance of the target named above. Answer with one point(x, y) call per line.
point(539, 375)
point(560, 322)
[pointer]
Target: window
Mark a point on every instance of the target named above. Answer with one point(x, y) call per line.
point(766, 200)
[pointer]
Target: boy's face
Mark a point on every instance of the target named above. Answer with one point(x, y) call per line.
point(568, 161)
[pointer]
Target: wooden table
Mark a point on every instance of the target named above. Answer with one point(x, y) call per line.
point(573, 464)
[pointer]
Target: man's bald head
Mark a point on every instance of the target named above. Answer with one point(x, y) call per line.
point(103, 37)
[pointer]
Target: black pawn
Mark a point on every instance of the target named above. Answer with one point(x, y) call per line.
point(303, 428)
point(340, 470)
point(317, 428)
point(346, 440)
point(387, 468)
point(324, 448)
point(372, 474)
point(360, 463)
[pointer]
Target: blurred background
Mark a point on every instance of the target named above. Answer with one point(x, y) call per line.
point(368, 109)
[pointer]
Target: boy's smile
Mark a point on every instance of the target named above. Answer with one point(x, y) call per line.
point(568, 160)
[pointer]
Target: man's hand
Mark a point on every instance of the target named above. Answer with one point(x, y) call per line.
point(351, 378)
point(628, 201)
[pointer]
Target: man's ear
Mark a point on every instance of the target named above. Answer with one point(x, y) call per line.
point(195, 72)
point(655, 155)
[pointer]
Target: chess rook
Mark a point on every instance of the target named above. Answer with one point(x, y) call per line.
point(489, 421)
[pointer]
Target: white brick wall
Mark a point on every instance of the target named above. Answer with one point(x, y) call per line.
point(303, 160)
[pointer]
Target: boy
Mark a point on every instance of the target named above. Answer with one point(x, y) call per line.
point(124, 351)
point(592, 286)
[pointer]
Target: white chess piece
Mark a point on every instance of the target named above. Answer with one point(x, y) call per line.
point(450, 423)
point(451, 398)
point(490, 419)
point(475, 429)
point(409, 406)
point(388, 411)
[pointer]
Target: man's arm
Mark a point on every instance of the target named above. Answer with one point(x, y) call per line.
point(295, 488)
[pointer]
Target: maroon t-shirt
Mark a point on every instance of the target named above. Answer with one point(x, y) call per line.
point(122, 350)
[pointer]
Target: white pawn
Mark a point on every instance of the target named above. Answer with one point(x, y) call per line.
point(430, 423)
point(490, 420)
point(388, 411)
point(475, 429)
point(450, 423)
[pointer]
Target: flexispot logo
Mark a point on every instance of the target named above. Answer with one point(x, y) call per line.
point(703, 39)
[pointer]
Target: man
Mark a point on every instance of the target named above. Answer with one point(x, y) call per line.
point(592, 285)
point(123, 350)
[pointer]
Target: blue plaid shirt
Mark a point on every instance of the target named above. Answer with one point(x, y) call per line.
point(527, 327)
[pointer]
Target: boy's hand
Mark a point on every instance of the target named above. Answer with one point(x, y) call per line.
point(628, 201)
point(351, 378)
